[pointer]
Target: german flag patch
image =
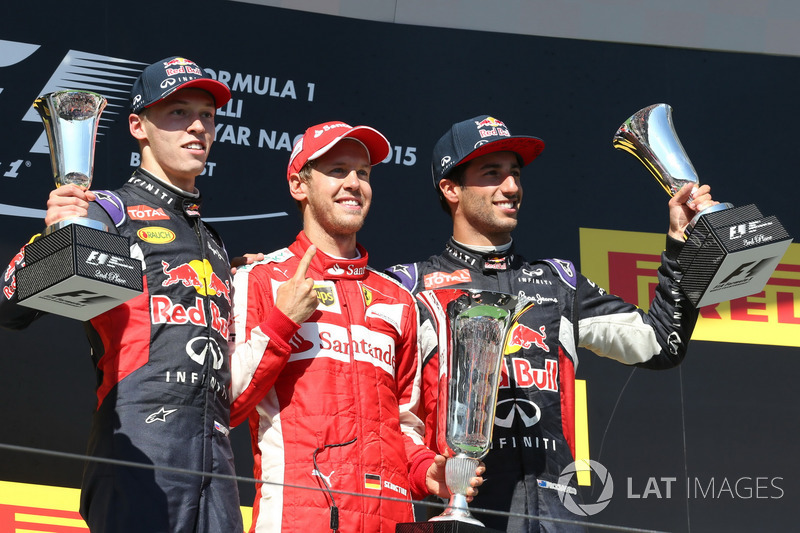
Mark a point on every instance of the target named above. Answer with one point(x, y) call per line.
point(372, 481)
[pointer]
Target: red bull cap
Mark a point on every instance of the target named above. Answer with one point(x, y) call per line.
point(164, 77)
point(478, 136)
point(317, 140)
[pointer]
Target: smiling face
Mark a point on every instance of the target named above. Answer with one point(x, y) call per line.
point(486, 203)
point(335, 197)
point(175, 136)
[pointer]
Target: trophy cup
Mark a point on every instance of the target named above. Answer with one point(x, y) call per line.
point(77, 268)
point(730, 252)
point(469, 376)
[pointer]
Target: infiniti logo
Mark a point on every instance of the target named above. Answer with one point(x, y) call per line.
point(529, 412)
point(198, 347)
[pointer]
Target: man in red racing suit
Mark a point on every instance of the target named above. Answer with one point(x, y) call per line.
point(161, 358)
point(336, 438)
point(533, 439)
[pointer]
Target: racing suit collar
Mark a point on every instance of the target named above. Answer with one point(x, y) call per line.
point(333, 267)
point(164, 194)
point(485, 262)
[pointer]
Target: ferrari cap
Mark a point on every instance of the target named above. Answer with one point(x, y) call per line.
point(317, 140)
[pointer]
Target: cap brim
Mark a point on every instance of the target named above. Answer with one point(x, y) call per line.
point(218, 90)
point(526, 147)
point(376, 144)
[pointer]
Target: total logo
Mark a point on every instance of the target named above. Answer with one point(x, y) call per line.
point(145, 212)
point(444, 279)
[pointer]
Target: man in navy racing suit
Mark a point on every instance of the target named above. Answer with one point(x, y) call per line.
point(477, 174)
point(163, 371)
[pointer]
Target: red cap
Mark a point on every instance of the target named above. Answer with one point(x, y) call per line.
point(317, 140)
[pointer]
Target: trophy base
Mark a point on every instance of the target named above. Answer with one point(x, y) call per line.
point(731, 253)
point(78, 272)
point(442, 527)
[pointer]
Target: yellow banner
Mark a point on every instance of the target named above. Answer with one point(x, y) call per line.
point(625, 264)
point(27, 508)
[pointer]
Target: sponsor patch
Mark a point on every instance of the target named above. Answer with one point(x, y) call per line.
point(367, 295)
point(156, 235)
point(556, 486)
point(444, 279)
point(372, 481)
point(145, 212)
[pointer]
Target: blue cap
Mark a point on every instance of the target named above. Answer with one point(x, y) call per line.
point(164, 77)
point(475, 137)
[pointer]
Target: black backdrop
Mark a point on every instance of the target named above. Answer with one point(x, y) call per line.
point(725, 416)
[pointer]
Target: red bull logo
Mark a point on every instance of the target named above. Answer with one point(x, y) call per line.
point(526, 377)
point(525, 337)
point(218, 287)
point(491, 127)
point(164, 311)
point(183, 274)
point(489, 122)
point(197, 274)
point(178, 61)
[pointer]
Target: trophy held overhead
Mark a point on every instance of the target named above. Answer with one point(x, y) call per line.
point(730, 252)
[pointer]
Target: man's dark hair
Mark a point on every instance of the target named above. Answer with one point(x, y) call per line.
point(456, 175)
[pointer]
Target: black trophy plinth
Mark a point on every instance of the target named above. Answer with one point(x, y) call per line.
point(447, 526)
point(731, 253)
point(78, 272)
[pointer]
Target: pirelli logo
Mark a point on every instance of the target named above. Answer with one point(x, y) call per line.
point(625, 264)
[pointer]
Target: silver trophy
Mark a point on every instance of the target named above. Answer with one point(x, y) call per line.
point(71, 119)
point(730, 252)
point(77, 269)
point(469, 375)
point(649, 135)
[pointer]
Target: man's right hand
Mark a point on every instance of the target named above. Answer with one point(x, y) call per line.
point(68, 201)
point(297, 298)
